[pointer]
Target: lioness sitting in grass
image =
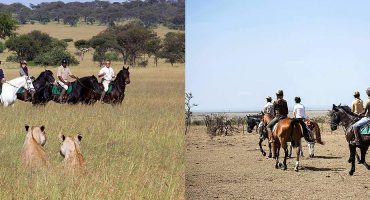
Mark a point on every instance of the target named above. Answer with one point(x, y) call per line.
point(33, 153)
point(70, 150)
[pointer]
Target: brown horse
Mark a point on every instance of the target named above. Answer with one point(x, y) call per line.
point(266, 119)
point(287, 130)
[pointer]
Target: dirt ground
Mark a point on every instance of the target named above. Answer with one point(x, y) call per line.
point(232, 167)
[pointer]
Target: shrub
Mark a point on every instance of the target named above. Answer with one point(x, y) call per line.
point(113, 56)
point(54, 56)
point(12, 58)
point(67, 40)
point(2, 47)
point(219, 124)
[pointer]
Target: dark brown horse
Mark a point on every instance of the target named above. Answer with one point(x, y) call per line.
point(117, 94)
point(287, 130)
point(254, 121)
point(344, 116)
point(45, 77)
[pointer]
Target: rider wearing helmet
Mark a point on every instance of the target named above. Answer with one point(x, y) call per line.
point(63, 74)
point(281, 111)
point(268, 108)
point(357, 104)
point(364, 120)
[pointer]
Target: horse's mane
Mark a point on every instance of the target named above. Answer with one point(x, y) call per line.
point(348, 110)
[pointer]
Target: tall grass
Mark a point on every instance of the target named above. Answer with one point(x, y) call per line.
point(132, 151)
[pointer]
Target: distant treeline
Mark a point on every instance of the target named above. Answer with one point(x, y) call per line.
point(171, 13)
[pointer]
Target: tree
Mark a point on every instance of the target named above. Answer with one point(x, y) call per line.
point(188, 112)
point(82, 46)
point(102, 43)
point(153, 47)
point(71, 20)
point(174, 48)
point(7, 25)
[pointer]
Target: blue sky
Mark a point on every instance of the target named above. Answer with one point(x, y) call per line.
point(238, 52)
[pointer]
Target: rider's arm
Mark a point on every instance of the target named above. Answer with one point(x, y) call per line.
point(60, 78)
point(73, 76)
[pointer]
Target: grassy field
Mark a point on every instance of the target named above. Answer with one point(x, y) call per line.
point(132, 151)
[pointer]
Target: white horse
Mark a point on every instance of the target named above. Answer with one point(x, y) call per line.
point(10, 88)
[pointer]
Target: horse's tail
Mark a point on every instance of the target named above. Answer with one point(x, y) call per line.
point(293, 124)
point(316, 130)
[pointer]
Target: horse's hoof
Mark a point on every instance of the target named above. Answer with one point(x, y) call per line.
point(276, 166)
point(264, 153)
point(280, 165)
point(270, 155)
point(351, 173)
point(285, 168)
point(349, 160)
point(296, 169)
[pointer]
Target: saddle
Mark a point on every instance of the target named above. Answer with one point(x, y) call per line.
point(57, 89)
point(365, 129)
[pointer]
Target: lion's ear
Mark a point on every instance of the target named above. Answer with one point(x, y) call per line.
point(61, 138)
point(27, 127)
point(78, 138)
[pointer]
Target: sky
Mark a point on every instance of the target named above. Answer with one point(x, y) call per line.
point(238, 52)
point(28, 2)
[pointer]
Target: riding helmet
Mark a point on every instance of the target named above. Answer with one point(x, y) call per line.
point(356, 94)
point(297, 99)
point(64, 61)
point(279, 93)
point(368, 91)
point(268, 98)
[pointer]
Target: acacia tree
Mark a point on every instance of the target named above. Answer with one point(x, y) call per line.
point(7, 25)
point(153, 48)
point(82, 46)
point(174, 48)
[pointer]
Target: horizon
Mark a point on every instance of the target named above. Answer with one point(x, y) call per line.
point(35, 2)
point(238, 53)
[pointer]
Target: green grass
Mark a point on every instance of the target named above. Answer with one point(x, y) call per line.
point(132, 151)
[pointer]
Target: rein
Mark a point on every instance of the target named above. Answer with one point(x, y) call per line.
point(78, 80)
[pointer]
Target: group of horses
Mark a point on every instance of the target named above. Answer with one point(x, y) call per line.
point(85, 90)
point(289, 130)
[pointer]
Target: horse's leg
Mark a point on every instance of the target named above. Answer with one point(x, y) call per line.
point(352, 149)
point(311, 149)
point(261, 149)
point(301, 152)
point(290, 150)
point(350, 158)
point(299, 149)
point(270, 153)
point(285, 147)
point(363, 157)
point(277, 150)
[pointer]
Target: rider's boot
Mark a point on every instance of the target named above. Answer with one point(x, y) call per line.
point(102, 96)
point(62, 95)
point(269, 135)
point(357, 140)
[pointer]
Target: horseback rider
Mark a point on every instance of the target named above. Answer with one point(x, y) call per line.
point(357, 104)
point(63, 74)
point(364, 120)
point(299, 113)
point(108, 74)
point(280, 107)
point(23, 71)
point(268, 108)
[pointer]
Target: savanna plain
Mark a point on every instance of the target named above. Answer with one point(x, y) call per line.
point(132, 151)
point(232, 167)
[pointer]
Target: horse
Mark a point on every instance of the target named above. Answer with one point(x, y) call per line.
point(344, 116)
point(287, 130)
point(84, 90)
point(117, 94)
point(9, 90)
point(254, 121)
point(39, 85)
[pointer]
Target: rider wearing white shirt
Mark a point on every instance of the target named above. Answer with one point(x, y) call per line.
point(107, 74)
point(299, 113)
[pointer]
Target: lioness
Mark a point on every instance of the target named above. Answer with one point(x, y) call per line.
point(70, 150)
point(33, 153)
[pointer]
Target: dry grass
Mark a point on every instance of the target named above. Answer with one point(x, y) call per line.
point(132, 151)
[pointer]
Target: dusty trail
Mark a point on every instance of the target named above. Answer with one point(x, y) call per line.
point(231, 167)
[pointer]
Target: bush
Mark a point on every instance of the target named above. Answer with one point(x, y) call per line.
point(219, 125)
point(2, 47)
point(67, 40)
point(113, 56)
point(143, 63)
point(54, 56)
point(32, 22)
point(12, 58)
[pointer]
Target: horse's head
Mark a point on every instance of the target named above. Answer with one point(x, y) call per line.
point(335, 117)
point(126, 74)
point(251, 123)
point(49, 76)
